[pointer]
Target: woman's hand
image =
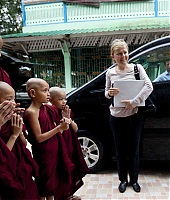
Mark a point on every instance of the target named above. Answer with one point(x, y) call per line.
point(128, 104)
point(113, 91)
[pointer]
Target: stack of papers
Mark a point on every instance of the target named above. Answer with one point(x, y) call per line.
point(128, 91)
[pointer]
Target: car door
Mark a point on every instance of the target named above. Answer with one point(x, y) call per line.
point(156, 134)
point(153, 60)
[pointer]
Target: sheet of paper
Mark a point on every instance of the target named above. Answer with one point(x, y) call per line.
point(128, 90)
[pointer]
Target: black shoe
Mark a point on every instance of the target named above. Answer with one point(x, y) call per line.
point(136, 187)
point(122, 186)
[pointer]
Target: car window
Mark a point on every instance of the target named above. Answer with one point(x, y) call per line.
point(153, 60)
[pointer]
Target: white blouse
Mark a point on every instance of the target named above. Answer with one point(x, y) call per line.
point(112, 75)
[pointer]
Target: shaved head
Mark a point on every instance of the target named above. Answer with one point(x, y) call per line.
point(4, 87)
point(6, 92)
point(55, 91)
point(58, 97)
point(34, 83)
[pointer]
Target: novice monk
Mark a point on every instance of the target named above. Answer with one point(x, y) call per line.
point(48, 146)
point(16, 163)
point(58, 99)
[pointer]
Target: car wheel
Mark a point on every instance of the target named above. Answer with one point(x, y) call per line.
point(93, 151)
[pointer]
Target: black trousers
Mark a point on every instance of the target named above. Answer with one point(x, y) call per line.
point(127, 135)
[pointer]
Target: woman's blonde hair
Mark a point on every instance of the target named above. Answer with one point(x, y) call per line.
point(116, 44)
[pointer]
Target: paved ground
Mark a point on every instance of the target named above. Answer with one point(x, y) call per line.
point(154, 180)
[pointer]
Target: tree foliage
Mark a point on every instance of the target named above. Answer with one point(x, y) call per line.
point(10, 16)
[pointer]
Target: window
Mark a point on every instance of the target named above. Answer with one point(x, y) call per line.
point(154, 60)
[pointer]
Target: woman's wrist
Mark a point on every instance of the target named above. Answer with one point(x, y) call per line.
point(109, 95)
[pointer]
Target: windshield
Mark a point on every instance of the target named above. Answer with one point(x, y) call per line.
point(154, 60)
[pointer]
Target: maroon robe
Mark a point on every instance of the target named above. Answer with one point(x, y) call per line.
point(10, 188)
point(4, 76)
point(50, 155)
point(76, 156)
point(16, 169)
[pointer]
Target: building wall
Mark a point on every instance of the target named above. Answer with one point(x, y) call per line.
point(49, 16)
point(89, 56)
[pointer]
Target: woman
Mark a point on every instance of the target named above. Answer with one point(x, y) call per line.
point(126, 123)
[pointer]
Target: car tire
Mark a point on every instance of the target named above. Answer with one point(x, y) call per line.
point(93, 151)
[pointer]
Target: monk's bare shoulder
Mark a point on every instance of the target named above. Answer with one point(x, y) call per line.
point(32, 112)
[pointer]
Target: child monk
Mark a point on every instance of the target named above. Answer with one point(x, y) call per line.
point(16, 163)
point(58, 99)
point(48, 147)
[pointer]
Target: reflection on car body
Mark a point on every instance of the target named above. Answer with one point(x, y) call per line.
point(91, 110)
point(22, 96)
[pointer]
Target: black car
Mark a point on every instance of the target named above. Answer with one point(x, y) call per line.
point(22, 97)
point(91, 111)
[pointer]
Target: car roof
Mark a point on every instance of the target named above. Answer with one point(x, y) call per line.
point(153, 43)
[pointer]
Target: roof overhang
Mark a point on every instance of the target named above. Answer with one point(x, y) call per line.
point(135, 32)
point(14, 59)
